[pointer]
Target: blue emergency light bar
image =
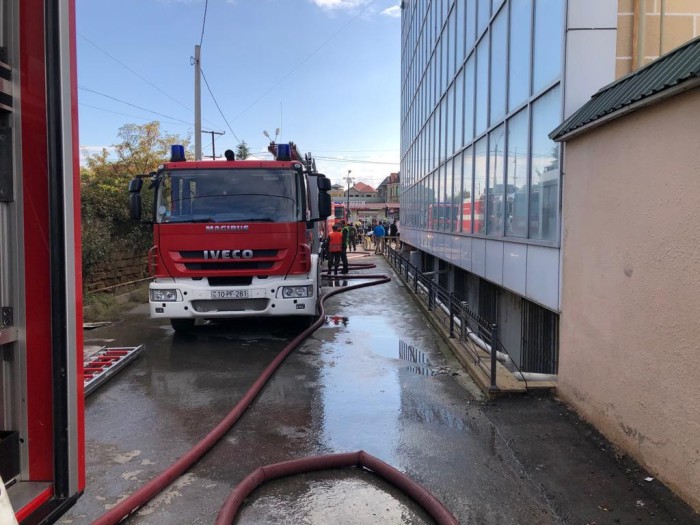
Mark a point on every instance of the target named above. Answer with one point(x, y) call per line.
point(284, 152)
point(177, 153)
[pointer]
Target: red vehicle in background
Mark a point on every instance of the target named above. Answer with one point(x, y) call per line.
point(42, 451)
point(238, 238)
point(449, 217)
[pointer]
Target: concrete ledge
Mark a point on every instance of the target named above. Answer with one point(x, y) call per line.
point(506, 382)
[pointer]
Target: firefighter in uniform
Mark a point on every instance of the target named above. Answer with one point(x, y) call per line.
point(334, 248)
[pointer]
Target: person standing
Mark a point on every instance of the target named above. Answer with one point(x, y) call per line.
point(378, 235)
point(394, 232)
point(344, 253)
point(352, 239)
point(334, 248)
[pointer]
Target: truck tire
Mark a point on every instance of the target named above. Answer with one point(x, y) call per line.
point(182, 325)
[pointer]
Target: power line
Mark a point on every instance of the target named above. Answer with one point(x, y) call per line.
point(137, 74)
point(133, 105)
point(204, 21)
point(217, 105)
point(334, 159)
point(132, 71)
point(127, 115)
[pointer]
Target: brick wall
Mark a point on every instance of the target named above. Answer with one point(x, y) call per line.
point(123, 266)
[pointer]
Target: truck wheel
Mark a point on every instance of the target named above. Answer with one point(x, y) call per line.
point(182, 325)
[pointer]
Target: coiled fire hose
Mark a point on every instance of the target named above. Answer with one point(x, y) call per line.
point(361, 459)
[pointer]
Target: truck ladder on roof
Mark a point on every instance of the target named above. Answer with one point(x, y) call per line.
point(105, 363)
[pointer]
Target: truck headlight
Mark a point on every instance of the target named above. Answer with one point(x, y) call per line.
point(164, 296)
point(297, 292)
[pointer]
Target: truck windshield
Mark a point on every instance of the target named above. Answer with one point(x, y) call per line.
point(229, 195)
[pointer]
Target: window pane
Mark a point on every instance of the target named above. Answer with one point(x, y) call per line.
point(456, 191)
point(469, 100)
point(482, 83)
point(549, 31)
point(544, 174)
point(498, 68)
point(519, 74)
point(450, 120)
point(449, 195)
point(484, 15)
point(459, 107)
point(467, 185)
point(460, 34)
point(496, 190)
point(516, 223)
point(480, 161)
point(471, 24)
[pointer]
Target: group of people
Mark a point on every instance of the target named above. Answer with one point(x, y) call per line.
point(344, 237)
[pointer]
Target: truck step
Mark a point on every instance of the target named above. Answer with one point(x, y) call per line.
point(101, 366)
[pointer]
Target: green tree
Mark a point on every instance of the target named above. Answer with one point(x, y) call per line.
point(242, 151)
point(104, 180)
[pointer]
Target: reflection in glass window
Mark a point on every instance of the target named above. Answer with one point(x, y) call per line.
point(480, 163)
point(471, 24)
point(434, 194)
point(482, 84)
point(459, 115)
point(496, 191)
point(456, 191)
point(549, 30)
point(484, 14)
point(449, 190)
point(467, 184)
point(460, 34)
point(519, 63)
point(469, 100)
point(498, 68)
point(544, 175)
point(450, 121)
point(516, 211)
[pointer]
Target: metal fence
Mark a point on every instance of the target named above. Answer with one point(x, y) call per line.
point(471, 331)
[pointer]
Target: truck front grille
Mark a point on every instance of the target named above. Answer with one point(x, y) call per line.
point(230, 305)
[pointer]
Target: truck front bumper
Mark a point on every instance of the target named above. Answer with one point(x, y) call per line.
point(192, 299)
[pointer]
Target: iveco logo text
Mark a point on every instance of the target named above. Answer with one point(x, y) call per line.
point(227, 228)
point(228, 254)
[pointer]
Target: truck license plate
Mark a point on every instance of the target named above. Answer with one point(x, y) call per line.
point(229, 294)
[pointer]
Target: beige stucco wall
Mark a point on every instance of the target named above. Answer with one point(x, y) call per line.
point(630, 321)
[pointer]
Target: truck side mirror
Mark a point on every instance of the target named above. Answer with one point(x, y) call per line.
point(324, 183)
point(135, 205)
point(324, 204)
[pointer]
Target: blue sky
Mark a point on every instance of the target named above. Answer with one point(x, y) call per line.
point(327, 72)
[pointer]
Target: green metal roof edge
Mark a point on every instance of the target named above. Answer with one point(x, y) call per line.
point(666, 72)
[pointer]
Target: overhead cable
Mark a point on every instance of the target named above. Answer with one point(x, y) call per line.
point(204, 21)
point(132, 105)
point(217, 106)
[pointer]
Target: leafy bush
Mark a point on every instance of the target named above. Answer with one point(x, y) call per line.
point(104, 182)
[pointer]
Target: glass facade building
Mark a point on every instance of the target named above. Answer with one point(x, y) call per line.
point(482, 88)
point(480, 93)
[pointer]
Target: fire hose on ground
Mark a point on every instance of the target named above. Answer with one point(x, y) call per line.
point(299, 466)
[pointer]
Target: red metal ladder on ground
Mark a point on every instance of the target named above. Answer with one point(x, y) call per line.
point(105, 363)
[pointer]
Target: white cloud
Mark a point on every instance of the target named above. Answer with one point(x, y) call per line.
point(331, 5)
point(394, 12)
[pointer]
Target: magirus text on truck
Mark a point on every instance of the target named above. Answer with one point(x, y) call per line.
point(235, 238)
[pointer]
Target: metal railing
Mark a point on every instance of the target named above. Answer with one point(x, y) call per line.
point(471, 331)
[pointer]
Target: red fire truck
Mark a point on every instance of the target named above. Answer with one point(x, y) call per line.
point(41, 382)
point(235, 238)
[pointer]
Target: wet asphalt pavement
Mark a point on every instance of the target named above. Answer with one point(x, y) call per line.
point(375, 377)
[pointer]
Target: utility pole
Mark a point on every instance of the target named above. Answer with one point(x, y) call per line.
point(197, 106)
point(213, 150)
